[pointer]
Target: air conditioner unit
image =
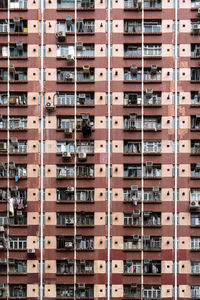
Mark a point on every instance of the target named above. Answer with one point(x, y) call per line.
point(136, 213)
point(86, 69)
point(129, 262)
point(149, 92)
point(154, 68)
point(68, 132)
point(82, 156)
point(69, 221)
point(133, 69)
point(195, 28)
point(70, 189)
point(81, 286)
point(61, 36)
point(194, 203)
point(70, 261)
point(135, 237)
point(66, 155)
point(133, 286)
point(3, 146)
point(68, 244)
point(69, 76)
point(69, 20)
point(2, 229)
point(147, 261)
point(146, 213)
point(14, 188)
point(147, 237)
point(17, 21)
point(149, 165)
point(50, 106)
point(132, 117)
point(82, 262)
point(81, 98)
point(134, 188)
point(70, 58)
point(12, 165)
point(31, 251)
point(2, 166)
point(11, 68)
point(85, 117)
point(79, 46)
point(11, 261)
point(14, 141)
point(19, 213)
point(19, 45)
point(155, 189)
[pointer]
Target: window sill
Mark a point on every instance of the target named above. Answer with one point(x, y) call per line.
point(15, 81)
point(139, 105)
point(145, 9)
point(140, 33)
point(146, 130)
point(145, 178)
point(72, 9)
point(14, 33)
point(146, 154)
point(145, 81)
point(145, 57)
point(72, 202)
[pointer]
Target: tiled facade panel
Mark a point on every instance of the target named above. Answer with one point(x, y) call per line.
point(75, 233)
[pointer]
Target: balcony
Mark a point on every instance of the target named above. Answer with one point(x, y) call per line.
point(19, 147)
point(83, 219)
point(82, 147)
point(132, 267)
point(150, 266)
point(150, 26)
point(135, 74)
point(132, 291)
point(14, 4)
point(133, 122)
point(15, 170)
point(83, 26)
point(150, 147)
point(82, 98)
point(81, 4)
point(17, 25)
point(148, 4)
point(131, 243)
point(82, 291)
point(14, 266)
point(135, 50)
point(195, 98)
point(67, 75)
point(132, 219)
point(15, 193)
point(65, 242)
point(19, 218)
point(17, 290)
point(84, 242)
point(18, 243)
point(15, 74)
point(195, 27)
point(195, 74)
point(195, 267)
point(135, 195)
point(85, 267)
point(65, 291)
point(67, 194)
point(195, 171)
point(18, 50)
point(15, 99)
point(152, 218)
point(152, 243)
point(65, 266)
point(195, 122)
point(195, 50)
point(136, 171)
point(195, 147)
point(150, 98)
point(82, 171)
point(15, 123)
point(83, 50)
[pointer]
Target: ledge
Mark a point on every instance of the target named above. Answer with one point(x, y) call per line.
point(145, 9)
point(140, 33)
point(145, 57)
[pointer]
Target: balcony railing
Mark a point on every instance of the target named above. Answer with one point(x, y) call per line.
point(154, 243)
point(147, 4)
point(195, 292)
point(195, 243)
point(148, 76)
point(152, 293)
point(149, 27)
point(195, 268)
point(149, 123)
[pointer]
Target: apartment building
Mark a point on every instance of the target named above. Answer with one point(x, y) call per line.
point(99, 149)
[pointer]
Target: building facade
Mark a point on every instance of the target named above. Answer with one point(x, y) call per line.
point(99, 149)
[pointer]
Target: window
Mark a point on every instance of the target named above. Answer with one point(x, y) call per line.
point(44, 74)
point(40, 25)
point(107, 122)
point(43, 218)
point(107, 218)
point(110, 74)
point(173, 171)
point(110, 25)
point(107, 50)
point(110, 98)
point(174, 194)
point(174, 70)
point(39, 195)
point(44, 50)
point(173, 146)
point(173, 98)
point(173, 122)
